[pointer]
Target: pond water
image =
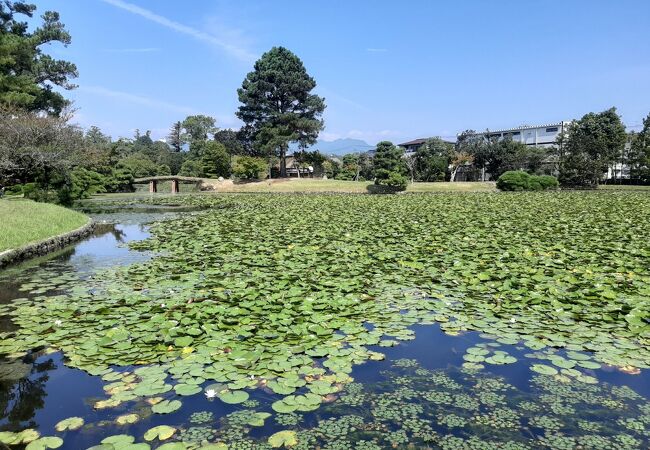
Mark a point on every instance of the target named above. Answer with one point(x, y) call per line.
point(426, 387)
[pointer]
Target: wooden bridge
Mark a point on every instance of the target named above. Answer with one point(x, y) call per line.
point(175, 179)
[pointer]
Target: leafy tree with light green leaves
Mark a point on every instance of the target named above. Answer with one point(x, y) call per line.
point(27, 75)
point(197, 131)
point(215, 160)
point(278, 106)
point(590, 145)
point(639, 155)
point(191, 168)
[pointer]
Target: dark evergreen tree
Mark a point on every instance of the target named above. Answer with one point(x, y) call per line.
point(175, 137)
point(27, 75)
point(277, 104)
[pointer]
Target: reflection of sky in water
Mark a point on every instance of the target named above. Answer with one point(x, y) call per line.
point(109, 248)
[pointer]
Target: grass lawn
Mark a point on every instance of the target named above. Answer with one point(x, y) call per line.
point(319, 185)
point(24, 221)
point(304, 185)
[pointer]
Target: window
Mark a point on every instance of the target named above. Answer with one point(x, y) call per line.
point(551, 130)
point(516, 133)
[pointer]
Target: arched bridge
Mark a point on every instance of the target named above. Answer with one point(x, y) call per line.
point(175, 179)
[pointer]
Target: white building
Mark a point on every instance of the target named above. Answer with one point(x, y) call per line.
point(537, 136)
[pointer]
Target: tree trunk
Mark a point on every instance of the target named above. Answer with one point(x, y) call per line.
point(283, 162)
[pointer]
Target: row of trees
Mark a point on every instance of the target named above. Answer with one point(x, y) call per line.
point(584, 152)
point(40, 148)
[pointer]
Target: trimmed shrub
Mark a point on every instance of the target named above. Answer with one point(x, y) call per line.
point(548, 182)
point(514, 180)
point(518, 180)
point(393, 180)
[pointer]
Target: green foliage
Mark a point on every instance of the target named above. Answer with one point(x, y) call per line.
point(192, 168)
point(639, 156)
point(389, 167)
point(249, 167)
point(393, 180)
point(27, 75)
point(231, 140)
point(277, 104)
point(215, 160)
point(139, 165)
point(198, 128)
point(355, 167)
point(175, 137)
point(431, 160)
point(591, 144)
point(518, 180)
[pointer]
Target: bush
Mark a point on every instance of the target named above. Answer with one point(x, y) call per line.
point(119, 180)
point(514, 180)
point(548, 182)
point(394, 180)
point(16, 189)
point(249, 168)
point(518, 180)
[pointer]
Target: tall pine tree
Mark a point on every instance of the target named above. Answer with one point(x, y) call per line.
point(277, 104)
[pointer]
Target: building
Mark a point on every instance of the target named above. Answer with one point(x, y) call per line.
point(412, 146)
point(536, 136)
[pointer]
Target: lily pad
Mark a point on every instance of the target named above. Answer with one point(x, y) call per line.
point(286, 438)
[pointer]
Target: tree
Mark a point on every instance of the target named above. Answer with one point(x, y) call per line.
point(589, 147)
point(198, 128)
point(230, 139)
point(470, 148)
point(35, 147)
point(27, 75)
point(215, 160)
point(95, 136)
point(191, 168)
point(431, 160)
point(175, 137)
point(277, 104)
point(639, 156)
point(388, 165)
point(502, 155)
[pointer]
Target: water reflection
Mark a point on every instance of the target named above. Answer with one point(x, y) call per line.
point(23, 390)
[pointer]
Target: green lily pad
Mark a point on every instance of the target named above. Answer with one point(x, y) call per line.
point(71, 423)
point(233, 397)
point(286, 438)
point(544, 369)
point(166, 406)
point(161, 432)
point(44, 443)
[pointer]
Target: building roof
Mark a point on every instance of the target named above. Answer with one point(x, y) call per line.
point(524, 127)
point(420, 141)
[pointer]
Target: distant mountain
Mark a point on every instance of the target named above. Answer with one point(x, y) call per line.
point(339, 146)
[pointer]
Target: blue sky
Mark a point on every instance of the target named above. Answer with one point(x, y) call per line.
point(389, 70)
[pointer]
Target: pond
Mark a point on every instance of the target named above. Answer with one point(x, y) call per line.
point(465, 321)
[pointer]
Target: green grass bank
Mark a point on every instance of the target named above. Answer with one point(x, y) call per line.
point(24, 222)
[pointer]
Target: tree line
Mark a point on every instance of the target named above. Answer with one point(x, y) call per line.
point(47, 157)
point(41, 150)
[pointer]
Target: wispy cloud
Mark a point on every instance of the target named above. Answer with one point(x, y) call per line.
point(233, 49)
point(133, 50)
point(338, 98)
point(138, 99)
point(377, 50)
